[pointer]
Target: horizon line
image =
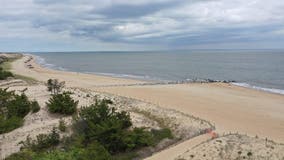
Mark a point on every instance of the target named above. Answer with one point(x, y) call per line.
point(138, 50)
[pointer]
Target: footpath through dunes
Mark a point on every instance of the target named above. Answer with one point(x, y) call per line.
point(180, 149)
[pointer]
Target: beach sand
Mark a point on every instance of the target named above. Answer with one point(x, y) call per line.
point(230, 108)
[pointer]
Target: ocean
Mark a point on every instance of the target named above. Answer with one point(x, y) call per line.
point(258, 69)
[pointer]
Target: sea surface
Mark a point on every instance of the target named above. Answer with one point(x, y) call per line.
point(258, 69)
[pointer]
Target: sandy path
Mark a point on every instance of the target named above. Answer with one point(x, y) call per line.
point(179, 149)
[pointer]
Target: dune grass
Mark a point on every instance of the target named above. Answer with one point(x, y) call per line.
point(7, 66)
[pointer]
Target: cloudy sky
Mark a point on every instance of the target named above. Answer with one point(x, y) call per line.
point(66, 25)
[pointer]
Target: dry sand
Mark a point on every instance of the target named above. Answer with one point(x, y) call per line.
point(237, 147)
point(230, 108)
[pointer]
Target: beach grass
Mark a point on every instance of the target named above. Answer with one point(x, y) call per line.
point(162, 122)
point(7, 65)
point(27, 79)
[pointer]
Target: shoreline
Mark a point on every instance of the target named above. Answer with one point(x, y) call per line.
point(37, 68)
point(156, 81)
point(230, 108)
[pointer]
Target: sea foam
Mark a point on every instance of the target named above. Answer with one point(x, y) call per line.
point(271, 90)
point(42, 62)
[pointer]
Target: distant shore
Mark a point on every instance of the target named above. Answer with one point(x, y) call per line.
point(231, 108)
point(174, 68)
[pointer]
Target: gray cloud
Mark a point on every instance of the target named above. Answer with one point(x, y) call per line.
point(134, 11)
point(163, 22)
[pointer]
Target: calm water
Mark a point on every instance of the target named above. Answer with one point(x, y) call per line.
point(259, 69)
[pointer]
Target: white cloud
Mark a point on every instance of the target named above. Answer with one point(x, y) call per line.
point(232, 11)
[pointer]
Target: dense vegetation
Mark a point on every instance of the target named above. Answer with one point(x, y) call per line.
point(100, 132)
point(62, 103)
point(4, 74)
point(35, 106)
point(105, 125)
point(13, 108)
point(43, 141)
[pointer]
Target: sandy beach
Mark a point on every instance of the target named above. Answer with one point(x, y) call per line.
point(230, 108)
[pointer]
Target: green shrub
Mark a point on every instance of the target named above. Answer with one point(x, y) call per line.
point(35, 106)
point(62, 125)
point(4, 74)
point(92, 152)
point(161, 134)
point(22, 155)
point(5, 97)
point(13, 108)
point(138, 138)
point(62, 103)
point(54, 86)
point(126, 156)
point(43, 141)
point(19, 106)
point(100, 133)
point(7, 125)
point(110, 128)
point(103, 124)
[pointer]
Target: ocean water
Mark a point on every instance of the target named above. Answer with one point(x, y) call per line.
point(258, 69)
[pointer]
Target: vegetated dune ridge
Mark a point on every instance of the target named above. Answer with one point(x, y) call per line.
point(230, 108)
point(142, 114)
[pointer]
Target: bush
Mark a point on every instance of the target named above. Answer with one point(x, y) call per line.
point(161, 134)
point(13, 108)
point(100, 132)
point(110, 128)
point(12, 104)
point(43, 141)
point(92, 152)
point(54, 86)
point(22, 155)
point(35, 106)
point(138, 138)
point(4, 74)
point(62, 125)
point(19, 106)
point(62, 103)
point(7, 125)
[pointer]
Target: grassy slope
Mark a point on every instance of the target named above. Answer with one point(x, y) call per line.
point(7, 66)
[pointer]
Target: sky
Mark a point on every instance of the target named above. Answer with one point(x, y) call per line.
point(106, 25)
